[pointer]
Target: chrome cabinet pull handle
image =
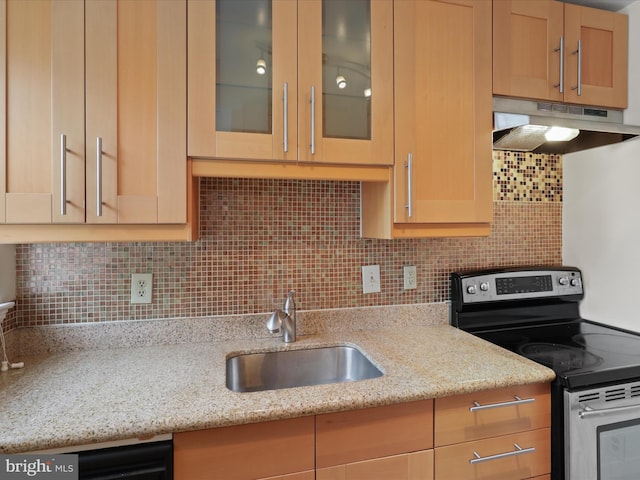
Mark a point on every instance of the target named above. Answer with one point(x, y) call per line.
point(517, 401)
point(313, 120)
point(285, 103)
point(579, 53)
point(99, 176)
point(518, 451)
point(560, 84)
point(409, 167)
point(63, 174)
point(594, 412)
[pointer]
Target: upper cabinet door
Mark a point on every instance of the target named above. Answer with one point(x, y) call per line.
point(527, 40)
point(42, 92)
point(345, 75)
point(243, 79)
point(596, 55)
point(442, 111)
point(136, 111)
point(307, 81)
point(549, 50)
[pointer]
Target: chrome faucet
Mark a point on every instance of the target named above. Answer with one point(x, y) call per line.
point(285, 319)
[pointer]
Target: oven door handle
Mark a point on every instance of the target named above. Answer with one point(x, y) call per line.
point(517, 401)
point(594, 412)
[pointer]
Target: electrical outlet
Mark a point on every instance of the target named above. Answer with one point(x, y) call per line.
point(371, 279)
point(141, 287)
point(410, 277)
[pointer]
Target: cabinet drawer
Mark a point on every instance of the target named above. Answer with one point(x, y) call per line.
point(357, 435)
point(491, 413)
point(408, 466)
point(245, 452)
point(454, 461)
point(309, 475)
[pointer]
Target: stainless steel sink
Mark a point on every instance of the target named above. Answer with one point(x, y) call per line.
point(298, 368)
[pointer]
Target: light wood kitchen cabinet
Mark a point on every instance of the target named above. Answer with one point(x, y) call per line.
point(136, 108)
point(441, 184)
point(310, 475)
point(293, 109)
point(347, 437)
point(454, 462)
point(503, 433)
point(42, 59)
point(548, 50)
point(77, 73)
point(392, 442)
point(280, 449)
point(408, 466)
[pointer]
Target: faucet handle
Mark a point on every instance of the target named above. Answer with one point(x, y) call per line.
point(275, 321)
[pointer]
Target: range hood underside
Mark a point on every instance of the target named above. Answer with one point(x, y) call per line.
point(598, 126)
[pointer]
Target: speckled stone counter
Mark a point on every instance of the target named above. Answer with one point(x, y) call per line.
point(87, 396)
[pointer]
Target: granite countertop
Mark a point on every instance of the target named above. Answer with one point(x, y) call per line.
point(79, 397)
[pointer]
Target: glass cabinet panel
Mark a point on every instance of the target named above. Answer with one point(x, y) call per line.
point(346, 69)
point(244, 66)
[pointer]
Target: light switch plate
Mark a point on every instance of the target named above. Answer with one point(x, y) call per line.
point(371, 279)
point(410, 277)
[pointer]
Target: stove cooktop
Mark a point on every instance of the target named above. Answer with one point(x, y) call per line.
point(581, 352)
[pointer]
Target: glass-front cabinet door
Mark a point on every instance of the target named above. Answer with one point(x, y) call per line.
point(280, 80)
point(242, 81)
point(345, 72)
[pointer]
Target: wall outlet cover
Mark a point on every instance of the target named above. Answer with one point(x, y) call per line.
point(371, 279)
point(141, 287)
point(410, 277)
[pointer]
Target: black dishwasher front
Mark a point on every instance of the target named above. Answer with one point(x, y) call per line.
point(144, 461)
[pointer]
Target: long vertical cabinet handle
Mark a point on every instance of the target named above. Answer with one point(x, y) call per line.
point(579, 53)
point(409, 167)
point(560, 49)
point(63, 174)
point(285, 103)
point(99, 176)
point(313, 120)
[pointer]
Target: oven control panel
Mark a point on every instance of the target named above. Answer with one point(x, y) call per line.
point(516, 285)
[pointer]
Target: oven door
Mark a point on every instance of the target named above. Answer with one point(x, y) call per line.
point(602, 433)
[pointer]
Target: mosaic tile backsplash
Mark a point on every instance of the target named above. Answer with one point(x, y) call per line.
point(260, 238)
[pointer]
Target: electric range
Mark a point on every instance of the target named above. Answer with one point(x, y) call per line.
point(534, 312)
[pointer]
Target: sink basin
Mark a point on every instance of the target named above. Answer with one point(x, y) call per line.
point(255, 372)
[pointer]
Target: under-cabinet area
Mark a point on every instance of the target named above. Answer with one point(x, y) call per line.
point(502, 433)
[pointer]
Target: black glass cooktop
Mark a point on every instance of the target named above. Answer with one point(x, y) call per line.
point(579, 351)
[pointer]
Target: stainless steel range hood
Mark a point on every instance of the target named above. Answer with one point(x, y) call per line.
point(521, 125)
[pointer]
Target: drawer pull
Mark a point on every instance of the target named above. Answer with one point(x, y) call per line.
point(518, 451)
point(517, 401)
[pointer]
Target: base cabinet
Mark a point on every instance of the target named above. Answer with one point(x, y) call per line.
point(410, 466)
point(503, 433)
point(446, 439)
point(310, 475)
point(282, 449)
point(519, 456)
